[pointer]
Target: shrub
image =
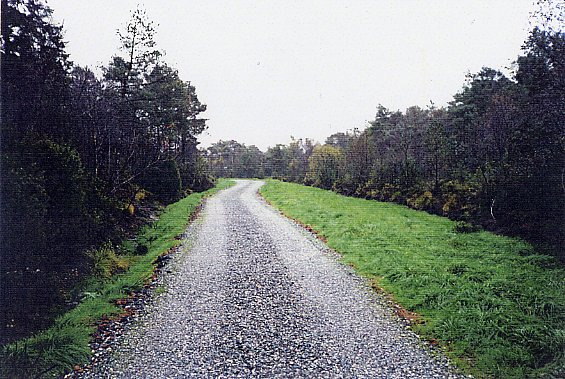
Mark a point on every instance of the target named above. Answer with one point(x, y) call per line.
point(323, 166)
point(459, 200)
point(46, 224)
point(65, 184)
point(202, 183)
point(195, 176)
point(164, 181)
point(345, 185)
point(368, 190)
point(141, 249)
point(465, 227)
point(390, 192)
point(104, 262)
point(424, 201)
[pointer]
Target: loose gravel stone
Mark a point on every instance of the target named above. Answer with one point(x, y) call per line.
point(252, 294)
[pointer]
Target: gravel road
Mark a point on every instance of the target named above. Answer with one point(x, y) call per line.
point(251, 294)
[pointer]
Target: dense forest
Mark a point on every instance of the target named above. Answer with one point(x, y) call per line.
point(79, 151)
point(492, 158)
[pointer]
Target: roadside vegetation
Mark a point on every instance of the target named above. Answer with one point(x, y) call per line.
point(117, 273)
point(493, 302)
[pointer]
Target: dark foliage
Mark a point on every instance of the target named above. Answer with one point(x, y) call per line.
point(164, 181)
point(75, 150)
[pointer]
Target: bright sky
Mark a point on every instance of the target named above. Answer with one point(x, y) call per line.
point(269, 70)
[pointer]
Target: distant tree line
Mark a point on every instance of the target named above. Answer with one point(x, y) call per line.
point(77, 148)
point(493, 157)
point(232, 159)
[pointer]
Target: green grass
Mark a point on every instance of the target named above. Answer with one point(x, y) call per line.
point(66, 343)
point(493, 303)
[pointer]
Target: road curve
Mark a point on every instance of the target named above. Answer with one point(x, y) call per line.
point(251, 294)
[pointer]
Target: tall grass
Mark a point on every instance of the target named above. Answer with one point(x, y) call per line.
point(495, 304)
point(66, 343)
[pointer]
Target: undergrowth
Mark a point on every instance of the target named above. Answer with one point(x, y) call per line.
point(495, 304)
point(66, 343)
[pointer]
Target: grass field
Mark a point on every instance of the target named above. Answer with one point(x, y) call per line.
point(66, 343)
point(493, 303)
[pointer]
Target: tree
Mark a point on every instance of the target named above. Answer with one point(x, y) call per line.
point(169, 114)
point(224, 158)
point(252, 162)
point(75, 148)
point(467, 112)
point(139, 54)
point(277, 161)
point(357, 164)
point(323, 166)
point(437, 148)
point(34, 95)
point(130, 148)
point(549, 15)
point(340, 140)
point(34, 72)
point(536, 199)
point(90, 117)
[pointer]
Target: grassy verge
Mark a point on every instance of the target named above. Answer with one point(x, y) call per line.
point(66, 343)
point(493, 302)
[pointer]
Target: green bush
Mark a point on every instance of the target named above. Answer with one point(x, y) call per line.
point(368, 190)
point(323, 166)
point(424, 201)
point(65, 184)
point(390, 192)
point(141, 249)
point(459, 200)
point(465, 227)
point(195, 176)
point(345, 185)
point(46, 225)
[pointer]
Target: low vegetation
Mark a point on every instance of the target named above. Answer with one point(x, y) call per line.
point(66, 343)
point(495, 304)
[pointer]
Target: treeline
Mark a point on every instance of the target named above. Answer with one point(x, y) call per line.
point(78, 151)
point(493, 157)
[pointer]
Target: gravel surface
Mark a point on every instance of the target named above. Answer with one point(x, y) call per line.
point(251, 294)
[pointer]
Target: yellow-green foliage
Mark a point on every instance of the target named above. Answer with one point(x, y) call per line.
point(424, 201)
point(450, 203)
point(389, 192)
point(105, 262)
point(458, 198)
point(130, 208)
point(140, 195)
point(323, 166)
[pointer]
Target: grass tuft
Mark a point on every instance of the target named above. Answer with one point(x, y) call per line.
point(495, 304)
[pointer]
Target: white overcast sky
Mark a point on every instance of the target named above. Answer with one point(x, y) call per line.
point(269, 70)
